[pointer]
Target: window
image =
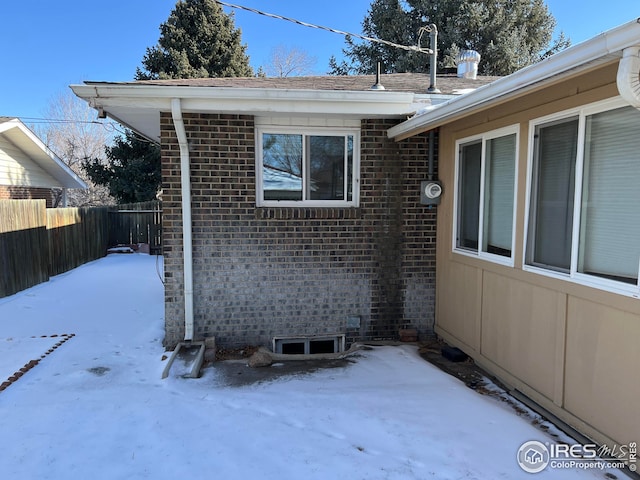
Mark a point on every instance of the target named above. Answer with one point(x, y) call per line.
point(309, 345)
point(317, 168)
point(486, 172)
point(610, 215)
point(555, 147)
point(470, 165)
point(584, 219)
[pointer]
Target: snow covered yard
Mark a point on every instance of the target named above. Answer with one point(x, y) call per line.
point(95, 407)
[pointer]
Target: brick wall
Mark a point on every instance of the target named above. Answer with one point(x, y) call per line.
point(262, 272)
point(28, 193)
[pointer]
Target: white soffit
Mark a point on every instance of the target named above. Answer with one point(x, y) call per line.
point(139, 106)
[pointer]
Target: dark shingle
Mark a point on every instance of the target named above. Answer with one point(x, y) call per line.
point(396, 82)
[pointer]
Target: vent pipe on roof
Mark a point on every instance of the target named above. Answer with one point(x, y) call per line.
point(433, 36)
point(377, 85)
point(628, 78)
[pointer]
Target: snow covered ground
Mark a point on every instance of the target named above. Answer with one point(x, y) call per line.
point(95, 407)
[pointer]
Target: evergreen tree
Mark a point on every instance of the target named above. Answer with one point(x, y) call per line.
point(132, 171)
point(198, 40)
point(508, 34)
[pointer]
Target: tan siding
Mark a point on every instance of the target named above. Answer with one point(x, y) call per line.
point(570, 347)
point(459, 301)
point(603, 361)
point(519, 330)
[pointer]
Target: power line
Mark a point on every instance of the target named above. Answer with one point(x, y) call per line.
point(64, 121)
point(332, 30)
point(56, 120)
point(108, 126)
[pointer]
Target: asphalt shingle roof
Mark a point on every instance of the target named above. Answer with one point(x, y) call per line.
point(395, 82)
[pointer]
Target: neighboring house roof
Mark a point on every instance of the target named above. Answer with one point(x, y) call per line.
point(606, 48)
point(26, 161)
point(138, 104)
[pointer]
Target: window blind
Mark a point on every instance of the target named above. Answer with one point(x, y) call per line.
point(610, 222)
point(469, 195)
point(553, 192)
point(500, 170)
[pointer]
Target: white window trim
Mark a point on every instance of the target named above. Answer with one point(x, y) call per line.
point(573, 275)
point(491, 257)
point(307, 131)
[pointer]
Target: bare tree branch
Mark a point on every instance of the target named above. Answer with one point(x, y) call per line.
point(72, 133)
point(289, 62)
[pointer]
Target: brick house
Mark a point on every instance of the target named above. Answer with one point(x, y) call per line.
point(28, 169)
point(537, 243)
point(304, 218)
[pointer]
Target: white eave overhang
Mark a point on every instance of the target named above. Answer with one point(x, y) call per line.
point(604, 48)
point(27, 141)
point(138, 106)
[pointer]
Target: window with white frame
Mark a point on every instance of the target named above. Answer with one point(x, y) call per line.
point(314, 167)
point(486, 175)
point(551, 218)
point(584, 215)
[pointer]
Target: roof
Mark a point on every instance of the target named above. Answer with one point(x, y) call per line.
point(608, 47)
point(394, 82)
point(138, 104)
point(23, 138)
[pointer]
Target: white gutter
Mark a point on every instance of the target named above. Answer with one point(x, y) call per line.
point(138, 105)
point(249, 100)
point(628, 78)
point(187, 244)
point(598, 50)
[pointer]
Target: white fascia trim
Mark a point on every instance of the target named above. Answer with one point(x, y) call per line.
point(246, 100)
point(591, 52)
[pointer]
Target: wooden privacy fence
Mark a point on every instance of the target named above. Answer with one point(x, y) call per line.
point(135, 223)
point(37, 243)
point(24, 246)
point(76, 236)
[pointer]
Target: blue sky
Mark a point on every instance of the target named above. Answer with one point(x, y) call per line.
point(49, 45)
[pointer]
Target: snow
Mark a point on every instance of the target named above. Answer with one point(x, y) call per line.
point(95, 407)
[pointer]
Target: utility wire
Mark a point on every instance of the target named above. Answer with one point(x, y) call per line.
point(56, 120)
point(108, 126)
point(332, 30)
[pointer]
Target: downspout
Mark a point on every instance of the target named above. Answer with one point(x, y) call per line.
point(628, 78)
point(187, 244)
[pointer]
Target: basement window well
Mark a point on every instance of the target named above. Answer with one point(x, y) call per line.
point(311, 345)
